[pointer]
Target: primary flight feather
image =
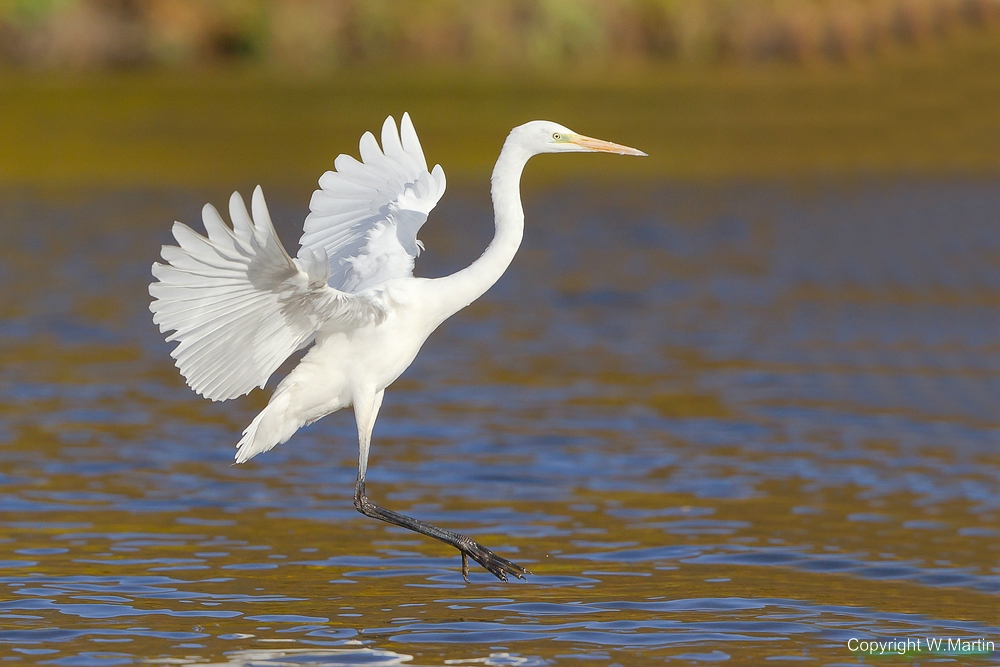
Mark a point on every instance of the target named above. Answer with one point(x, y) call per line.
point(240, 305)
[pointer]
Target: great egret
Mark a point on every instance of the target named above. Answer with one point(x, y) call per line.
point(240, 305)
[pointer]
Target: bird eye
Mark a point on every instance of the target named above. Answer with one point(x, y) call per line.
point(556, 136)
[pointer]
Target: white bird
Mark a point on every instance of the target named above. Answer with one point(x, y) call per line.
point(240, 305)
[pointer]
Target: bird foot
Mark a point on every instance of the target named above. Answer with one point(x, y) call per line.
point(495, 565)
point(469, 548)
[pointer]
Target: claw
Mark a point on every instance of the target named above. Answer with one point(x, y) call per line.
point(495, 565)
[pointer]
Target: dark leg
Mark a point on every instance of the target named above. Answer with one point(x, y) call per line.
point(497, 566)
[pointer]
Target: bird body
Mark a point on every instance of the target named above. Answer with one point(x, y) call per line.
point(240, 304)
point(344, 364)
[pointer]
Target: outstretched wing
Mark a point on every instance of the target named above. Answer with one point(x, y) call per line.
point(366, 215)
point(239, 305)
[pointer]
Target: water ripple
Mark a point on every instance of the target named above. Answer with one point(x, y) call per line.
point(739, 423)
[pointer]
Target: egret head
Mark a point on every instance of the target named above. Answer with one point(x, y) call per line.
point(543, 136)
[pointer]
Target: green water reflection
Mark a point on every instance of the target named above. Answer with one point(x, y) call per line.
point(924, 112)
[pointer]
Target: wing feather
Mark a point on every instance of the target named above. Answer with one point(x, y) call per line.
point(242, 224)
point(335, 184)
point(367, 213)
point(218, 231)
point(411, 144)
point(357, 172)
point(239, 305)
point(393, 148)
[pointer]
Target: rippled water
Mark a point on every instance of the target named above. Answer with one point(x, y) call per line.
point(738, 422)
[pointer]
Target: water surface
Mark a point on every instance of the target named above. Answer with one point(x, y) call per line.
point(719, 423)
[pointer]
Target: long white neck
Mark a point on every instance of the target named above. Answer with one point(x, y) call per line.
point(463, 287)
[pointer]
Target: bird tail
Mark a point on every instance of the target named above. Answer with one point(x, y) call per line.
point(272, 426)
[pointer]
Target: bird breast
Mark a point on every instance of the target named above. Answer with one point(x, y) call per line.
point(374, 355)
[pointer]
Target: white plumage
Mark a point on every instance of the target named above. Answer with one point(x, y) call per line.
point(366, 215)
point(239, 305)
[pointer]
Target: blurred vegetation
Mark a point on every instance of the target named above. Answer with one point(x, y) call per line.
point(231, 93)
point(324, 35)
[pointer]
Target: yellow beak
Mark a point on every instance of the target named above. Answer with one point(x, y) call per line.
point(597, 145)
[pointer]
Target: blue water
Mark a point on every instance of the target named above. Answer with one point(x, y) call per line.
point(739, 423)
